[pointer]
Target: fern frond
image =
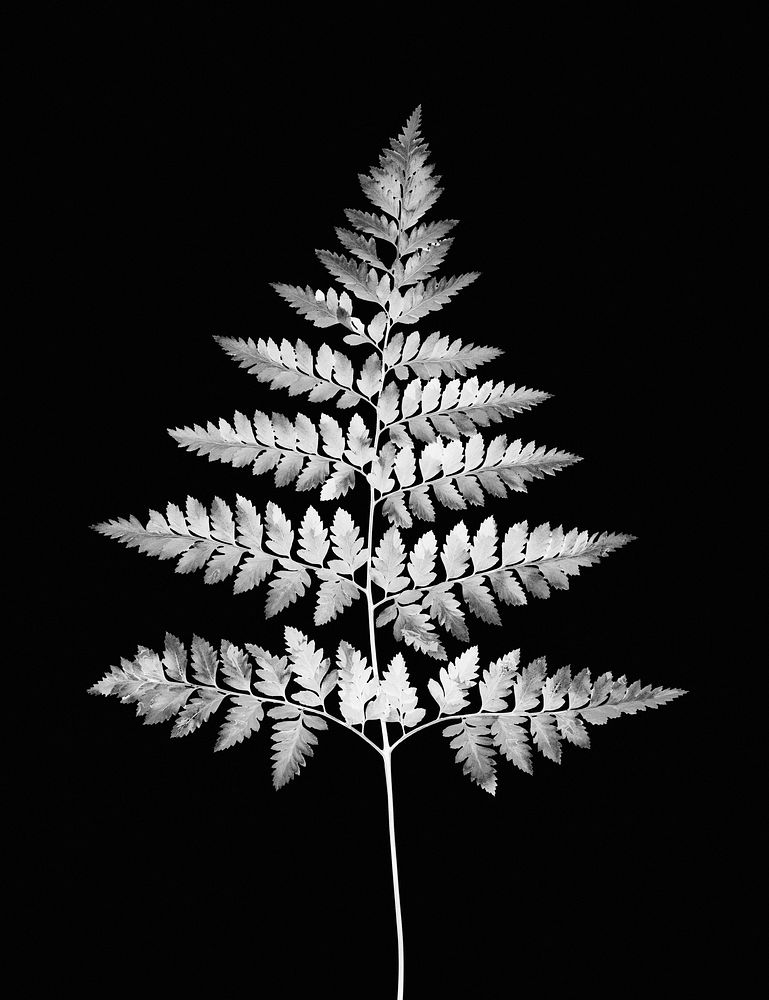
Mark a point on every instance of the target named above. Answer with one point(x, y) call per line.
point(293, 739)
point(388, 561)
point(193, 688)
point(471, 738)
point(540, 559)
point(497, 682)
point(396, 699)
point(425, 236)
point(364, 282)
point(309, 669)
point(454, 410)
point(546, 710)
point(454, 682)
point(357, 685)
point(161, 688)
point(322, 309)
point(460, 475)
point(403, 184)
point(334, 595)
point(423, 449)
point(243, 718)
point(290, 448)
point(422, 263)
point(433, 356)
point(424, 298)
point(375, 225)
point(404, 187)
point(363, 249)
point(328, 375)
point(221, 543)
point(414, 627)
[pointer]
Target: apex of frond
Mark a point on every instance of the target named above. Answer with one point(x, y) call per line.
point(414, 121)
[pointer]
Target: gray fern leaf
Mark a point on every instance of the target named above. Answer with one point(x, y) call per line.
point(434, 356)
point(326, 375)
point(483, 568)
point(457, 409)
point(222, 544)
point(546, 712)
point(416, 444)
point(458, 475)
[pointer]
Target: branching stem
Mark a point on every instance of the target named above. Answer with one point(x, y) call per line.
point(282, 701)
point(475, 715)
point(386, 749)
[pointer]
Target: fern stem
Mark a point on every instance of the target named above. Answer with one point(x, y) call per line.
point(385, 751)
point(457, 579)
point(317, 711)
point(394, 863)
point(386, 748)
point(267, 700)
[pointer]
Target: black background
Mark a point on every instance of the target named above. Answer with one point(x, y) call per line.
point(182, 167)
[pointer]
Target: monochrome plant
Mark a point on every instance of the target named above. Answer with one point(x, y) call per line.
point(416, 439)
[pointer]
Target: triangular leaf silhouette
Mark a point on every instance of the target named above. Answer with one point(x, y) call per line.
point(421, 442)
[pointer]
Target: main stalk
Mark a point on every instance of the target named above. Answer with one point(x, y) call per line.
point(386, 748)
point(394, 862)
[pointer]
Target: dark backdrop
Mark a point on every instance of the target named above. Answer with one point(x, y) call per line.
point(179, 173)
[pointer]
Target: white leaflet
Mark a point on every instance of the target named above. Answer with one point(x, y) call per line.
point(293, 739)
point(411, 396)
point(464, 668)
point(370, 379)
point(430, 460)
point(356, 684)
point(498, 682)
point(405, 466)
point(334, 596)
point(359, 451)
point(338, 483)
point(452, 457)
point(333, 436)
point(313, 538)
point(346, 544)
point(512, 545)
point(511, 738)
point(456, 551)
point(309, 669)
point(422, 560)
point(387, 564)
point(398, 698)
point(471, 738)
point(284, 588)
point(483, 551)
point(454, 682)
point(431, 394)
point(280, 536)
point(243, 719)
